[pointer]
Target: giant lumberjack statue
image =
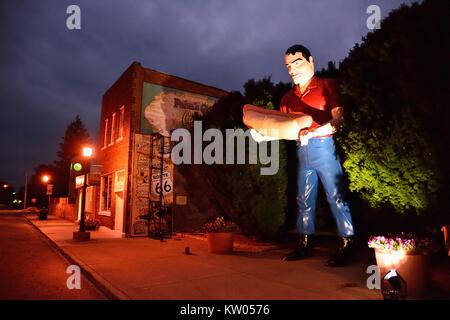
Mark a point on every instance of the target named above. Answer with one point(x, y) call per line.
point(314, 101)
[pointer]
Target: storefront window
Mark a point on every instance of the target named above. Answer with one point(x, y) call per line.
point(113, 124)
point(105, 135)
point(106, 192)
point(120, 124)
point(119, 184)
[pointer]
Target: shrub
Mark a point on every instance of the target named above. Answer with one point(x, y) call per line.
point(257, 203)
point(395, 99)
point(92, 223)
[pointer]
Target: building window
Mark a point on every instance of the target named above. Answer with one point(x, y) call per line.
point(106, 193)
point(119, 183)
point(113, 123)
point(120, 123)
point(105, 135)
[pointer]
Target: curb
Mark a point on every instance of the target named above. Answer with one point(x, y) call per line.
point(111, 292)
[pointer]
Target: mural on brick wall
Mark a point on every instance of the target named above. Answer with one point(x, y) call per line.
point(147, 182)
point(165, 109)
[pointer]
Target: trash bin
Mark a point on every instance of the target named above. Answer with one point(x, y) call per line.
point(43, 213)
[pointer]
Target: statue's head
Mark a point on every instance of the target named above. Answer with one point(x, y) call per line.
point(300, 65)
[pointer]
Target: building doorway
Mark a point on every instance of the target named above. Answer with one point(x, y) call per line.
point(80, 197)
point(118, 225)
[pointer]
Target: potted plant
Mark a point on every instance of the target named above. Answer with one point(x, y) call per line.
point(408, 255)
point(91, 224)
point(220, 235)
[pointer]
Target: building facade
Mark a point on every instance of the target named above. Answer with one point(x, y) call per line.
point(140, 108)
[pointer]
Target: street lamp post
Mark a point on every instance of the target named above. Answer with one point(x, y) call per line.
point(83, 204)
point(44, 211)
point(82, 235)
point(46, 179)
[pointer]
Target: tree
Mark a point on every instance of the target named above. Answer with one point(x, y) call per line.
point(331, 71)
point(6, 194)
point(75, 137)
point(395, 94)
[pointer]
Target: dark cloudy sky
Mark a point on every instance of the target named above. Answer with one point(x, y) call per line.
point(49, 74)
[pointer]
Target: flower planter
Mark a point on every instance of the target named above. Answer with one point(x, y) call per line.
point(414, 269)
point(92, 228)
point(220, 242)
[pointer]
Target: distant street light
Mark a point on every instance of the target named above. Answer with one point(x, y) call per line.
point(46, 179)
point(5, 186)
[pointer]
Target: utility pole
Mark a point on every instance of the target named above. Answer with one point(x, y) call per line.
point(26, 189)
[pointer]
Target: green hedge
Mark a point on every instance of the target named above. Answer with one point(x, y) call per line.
point(394, 89)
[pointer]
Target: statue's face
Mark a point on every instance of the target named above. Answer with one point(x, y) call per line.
point(299, 68)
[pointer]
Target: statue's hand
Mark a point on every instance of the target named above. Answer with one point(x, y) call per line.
point(258, 137)
point(304, 136)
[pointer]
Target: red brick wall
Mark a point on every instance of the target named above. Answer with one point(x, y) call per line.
point(115, 157)
point(61, 208)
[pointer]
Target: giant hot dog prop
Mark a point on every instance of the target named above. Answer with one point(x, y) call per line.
point(275, 123)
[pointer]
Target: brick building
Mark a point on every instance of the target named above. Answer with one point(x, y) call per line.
point(141, 103)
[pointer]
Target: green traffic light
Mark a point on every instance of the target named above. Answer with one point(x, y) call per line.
point(77, 166)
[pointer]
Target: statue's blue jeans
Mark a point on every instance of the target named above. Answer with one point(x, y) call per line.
point(319, 161)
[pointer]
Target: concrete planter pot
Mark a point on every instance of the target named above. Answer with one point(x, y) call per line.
point(220, 242)
point(414, 269)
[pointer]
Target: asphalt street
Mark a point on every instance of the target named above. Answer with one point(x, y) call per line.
point(30, 268)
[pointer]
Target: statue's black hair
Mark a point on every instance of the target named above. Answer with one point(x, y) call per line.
point(299, 48)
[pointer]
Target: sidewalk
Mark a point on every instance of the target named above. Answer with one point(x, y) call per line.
point(144, 268)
